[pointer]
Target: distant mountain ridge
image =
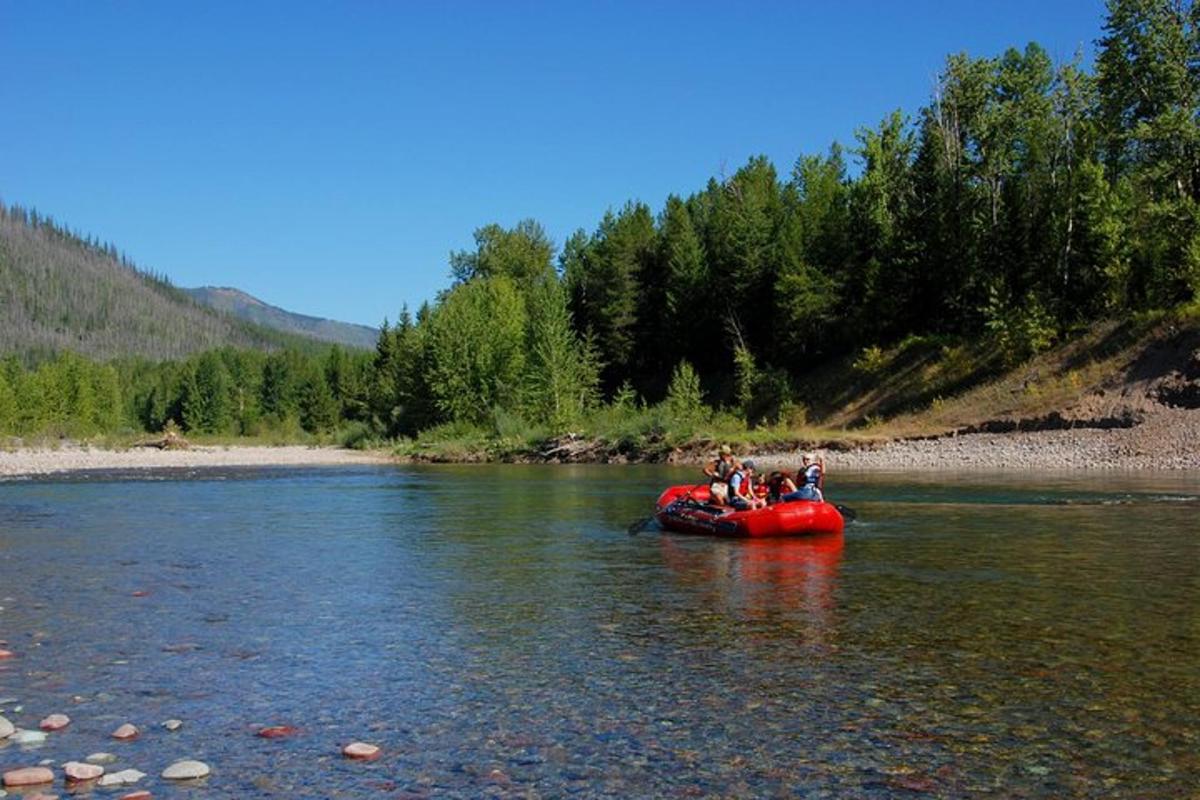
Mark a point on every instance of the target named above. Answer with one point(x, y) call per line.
point(245, 306)
point(62, 291)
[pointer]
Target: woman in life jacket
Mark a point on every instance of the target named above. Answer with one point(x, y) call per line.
point(812, 479)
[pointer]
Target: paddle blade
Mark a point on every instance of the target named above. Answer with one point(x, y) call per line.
point(637, 526)
point(848, 513)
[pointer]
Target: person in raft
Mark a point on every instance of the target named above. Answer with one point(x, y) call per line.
point(812, 479)
point(779, 484)
point(718, 471)
point(741, 488)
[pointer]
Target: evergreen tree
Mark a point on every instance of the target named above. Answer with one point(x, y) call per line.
point(318, 406)
point(207, 403)
point(603, 276)
point(8, 404)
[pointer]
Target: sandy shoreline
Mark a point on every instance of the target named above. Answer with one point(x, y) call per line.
point(22, 462)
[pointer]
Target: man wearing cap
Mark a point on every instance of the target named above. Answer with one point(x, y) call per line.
point(741, 488)
point(718, 471)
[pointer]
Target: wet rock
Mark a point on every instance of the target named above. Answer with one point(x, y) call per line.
point(141, 794)
point(7, 729)
point(28, 737)
point(361, 751)
point(186, 770)
point(28, 776)
point(126, 777)
point(173, 725)
point(55, 722)
point(126, 732)
point(41, 796)
point(6, 654)
point(77, 771)
point(278, 732)
point(100, 758)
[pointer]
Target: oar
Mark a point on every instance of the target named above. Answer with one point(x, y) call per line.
point(637, 526)
point(848, 513)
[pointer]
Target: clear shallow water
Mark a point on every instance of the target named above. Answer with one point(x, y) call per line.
point(498, 633)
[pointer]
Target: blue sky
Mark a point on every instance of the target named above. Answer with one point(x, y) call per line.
point(327, 157)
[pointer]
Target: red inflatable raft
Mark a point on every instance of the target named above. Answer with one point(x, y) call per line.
point(685, 509)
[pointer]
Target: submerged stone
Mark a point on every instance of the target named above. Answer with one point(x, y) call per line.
point(125, 777)
point(7, 729)
point(77, 771)
point(278, 732)
point(186, 770)
point(360, 751)
point(28, 776)
point(126, 732)
point(55, 722)
point(173, 725)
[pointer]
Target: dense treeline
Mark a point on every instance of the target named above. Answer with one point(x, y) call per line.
point(228, 392)
point(60, 290)
point(1025, 201)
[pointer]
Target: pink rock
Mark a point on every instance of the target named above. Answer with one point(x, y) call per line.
point(41, 796)
point(5, 654)
point(126, 732)
point(28, 776)
point(141, 593)
point(361, 751)
point(75, 771)
point(140, 794)
point(278, 732)
point(55, 722)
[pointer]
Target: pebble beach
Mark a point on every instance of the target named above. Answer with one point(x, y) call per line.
point(29, 462)
point(1168, 440)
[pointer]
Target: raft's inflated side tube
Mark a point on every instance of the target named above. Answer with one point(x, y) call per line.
point(677, 512)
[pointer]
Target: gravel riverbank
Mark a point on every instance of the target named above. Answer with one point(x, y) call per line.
point(75, 458)
point(1169, 439)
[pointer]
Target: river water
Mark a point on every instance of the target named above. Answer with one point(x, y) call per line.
point(499, 633)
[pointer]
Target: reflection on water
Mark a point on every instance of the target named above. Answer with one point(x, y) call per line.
point(772, 580)
point(498, 633)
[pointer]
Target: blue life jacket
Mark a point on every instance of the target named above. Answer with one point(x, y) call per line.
point(812, 475)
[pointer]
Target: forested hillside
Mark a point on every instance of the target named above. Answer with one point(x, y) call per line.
point(1025, 202)
point(251, 309)
point(60, 291)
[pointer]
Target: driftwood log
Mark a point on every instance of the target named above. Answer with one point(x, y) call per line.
point(169, 440)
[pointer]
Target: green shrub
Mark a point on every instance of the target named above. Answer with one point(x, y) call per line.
point(871, 361)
